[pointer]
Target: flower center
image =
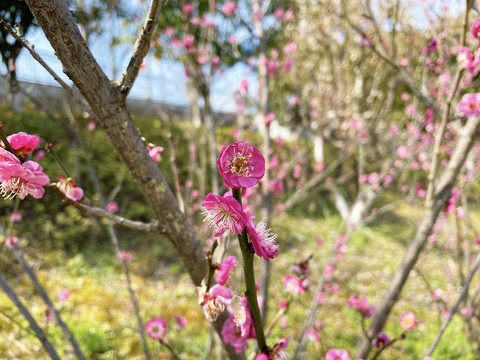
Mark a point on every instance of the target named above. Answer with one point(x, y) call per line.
point(240, 165)
point(13, 187)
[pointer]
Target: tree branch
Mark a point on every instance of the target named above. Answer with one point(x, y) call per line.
point(153, 226)
point(142, 45)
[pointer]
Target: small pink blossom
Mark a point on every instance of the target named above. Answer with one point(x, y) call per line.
point(381, 340)
point(228, 8)
point(15, 216)
point(465, 58)
point(19, 179)
point(232, 334)
point(288, 64)
point(169, 31)
point(49, 315)
point(403, 152)
point(290, 48)
point(263, 241)
point(279, 351)
point(261, 357)
point(181, 321)
point(404, 62)
point(232, 40)
point(125, 256)
point(243, 89)
point(69, 188)
point(91, 126)
point(257, 16)
point(22, 143)
point(475, 30)
point(293, 285)
point(156, 153)
point(336, 354)
point(39, 155)
point(241, 165)
point(361, 305)
point(312, 335)
point(283, 303)
point(12, 241)
point(215, 61)
point(466, 311)
point(224, 214)
point(269, 118)
point(278, 13)
point(63, 295)
point(225, 270)
point(405, 96)
point(156, 328)
point(112, 207)
point(188, 8)
point(408, 320)
point(470, 105)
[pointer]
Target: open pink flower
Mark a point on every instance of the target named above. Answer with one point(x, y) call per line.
point(63, 295)
point(181, 321)
point(23, 143)
point(263, 241)
point(228, 8)
point(470, 105)
point(278, 351)
point(215, 300)
point(241, 165)
point(19, 179)
point(125, 256)
point(224, 213)
point(225, 270)
point(156, 328)
point(475, 30)
point(408, 320)
point(336, 354)
point(293, 285)
point(232, 334)
point(69, 188)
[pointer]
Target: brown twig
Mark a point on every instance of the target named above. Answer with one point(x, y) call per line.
point(142, 45)
point(154, 226)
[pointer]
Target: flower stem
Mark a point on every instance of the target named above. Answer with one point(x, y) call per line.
point(57, 158)
point(167, 345)
point(251, 292)
point(210, 269)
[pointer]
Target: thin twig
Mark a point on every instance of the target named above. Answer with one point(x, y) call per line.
point(153, 226)
point(57, 78)
point(455, 307)
point(142, 45)
point(33, 324)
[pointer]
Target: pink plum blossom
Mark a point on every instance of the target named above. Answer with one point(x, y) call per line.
point(470, 105)
point(241, 165)
point(361, 305)
point(169, 31)
point(188, 8)
point(112, 207)
point(287, 65)
point(278, 13)
point(215, 300)
point(125, 256)
point(408, 320)
point(215, 61)
point(15, 216)
point(381, 340)
point(69, 188)
point(403, 152)
point(63, 295)
point(232, 334)
point(156, 328)
point(228, 8)
point(279, 351)
point(465, 58)
point(475, 30)
point(312, 335)
point(91, 126)
point(19, 179)
point(23, 143)
point(224, 214)
point(181, 321)
point(12, 241)
point(225, 270)
point(156, 153)
point(336, 354)
point(39, 155)
point(290, 48)
point(269, 118)
point(263, 241)
point(261, 357)
point(293, 285)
